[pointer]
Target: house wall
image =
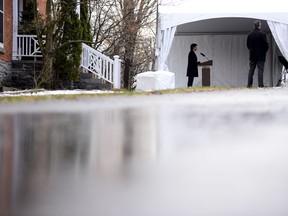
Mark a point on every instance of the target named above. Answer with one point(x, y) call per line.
point(42, 6)
point(6, 54)
point(8, 18)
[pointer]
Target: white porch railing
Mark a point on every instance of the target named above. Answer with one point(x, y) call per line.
point(91, 60)
point(27, 46)
point(101, 65)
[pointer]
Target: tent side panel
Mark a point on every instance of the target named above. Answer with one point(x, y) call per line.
point(230, 57)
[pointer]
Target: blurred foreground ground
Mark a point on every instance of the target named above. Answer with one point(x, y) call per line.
point(209, 153)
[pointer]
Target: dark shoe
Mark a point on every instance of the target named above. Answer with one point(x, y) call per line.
point(248, 86)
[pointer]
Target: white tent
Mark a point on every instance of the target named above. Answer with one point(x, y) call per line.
point(220, 29)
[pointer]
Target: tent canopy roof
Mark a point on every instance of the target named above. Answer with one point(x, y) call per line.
point(187, 11)
point(220, 25)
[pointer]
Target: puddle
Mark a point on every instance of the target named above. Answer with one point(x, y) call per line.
point(155, 160)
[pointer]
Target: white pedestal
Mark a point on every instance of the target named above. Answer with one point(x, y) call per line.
point(155, 80)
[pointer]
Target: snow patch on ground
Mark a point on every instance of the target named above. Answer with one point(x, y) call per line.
point(41, 92)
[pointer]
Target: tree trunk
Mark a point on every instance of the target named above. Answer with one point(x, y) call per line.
point(130, 35)
point(46, 76)
point(129, 61)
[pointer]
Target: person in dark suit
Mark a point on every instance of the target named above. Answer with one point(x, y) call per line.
point(192, 68)
point(258, 47)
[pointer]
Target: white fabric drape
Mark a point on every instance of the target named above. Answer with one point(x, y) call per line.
point(230, 60)
point(167, 36)
point(280, 34)
point(174, 15)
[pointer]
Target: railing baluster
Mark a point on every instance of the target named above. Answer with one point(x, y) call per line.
point(26, 52)
point(105, 69)
point(29, 46)
point(19, 46)
point(22, 47)
point(35, 46)
point(100, 60)
point(109, 71)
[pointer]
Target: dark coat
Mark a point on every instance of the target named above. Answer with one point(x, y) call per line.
point(192, 68)
point(257, 45)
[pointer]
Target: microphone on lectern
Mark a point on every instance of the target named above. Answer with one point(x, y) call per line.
point(204, 56)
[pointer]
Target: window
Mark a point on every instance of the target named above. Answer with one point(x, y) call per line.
point(1, 24)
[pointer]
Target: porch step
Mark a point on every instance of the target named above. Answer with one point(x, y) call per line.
point(89, 82)
point(86, 76)
point(96, 86)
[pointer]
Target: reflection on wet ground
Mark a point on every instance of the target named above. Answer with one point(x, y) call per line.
point(152, 160)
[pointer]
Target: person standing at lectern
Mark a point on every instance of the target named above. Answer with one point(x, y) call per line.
point(192, 68)
point(258, 47)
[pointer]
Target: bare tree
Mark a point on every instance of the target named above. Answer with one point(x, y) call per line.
point(137, 14)
point(125, 28)
point(106, 25)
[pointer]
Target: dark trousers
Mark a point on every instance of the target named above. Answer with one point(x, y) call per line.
point(190, 81)
point(260, 67)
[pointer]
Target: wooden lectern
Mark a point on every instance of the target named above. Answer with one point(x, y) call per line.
point(206, 72)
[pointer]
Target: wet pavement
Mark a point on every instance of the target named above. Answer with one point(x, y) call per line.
point(204, 154)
